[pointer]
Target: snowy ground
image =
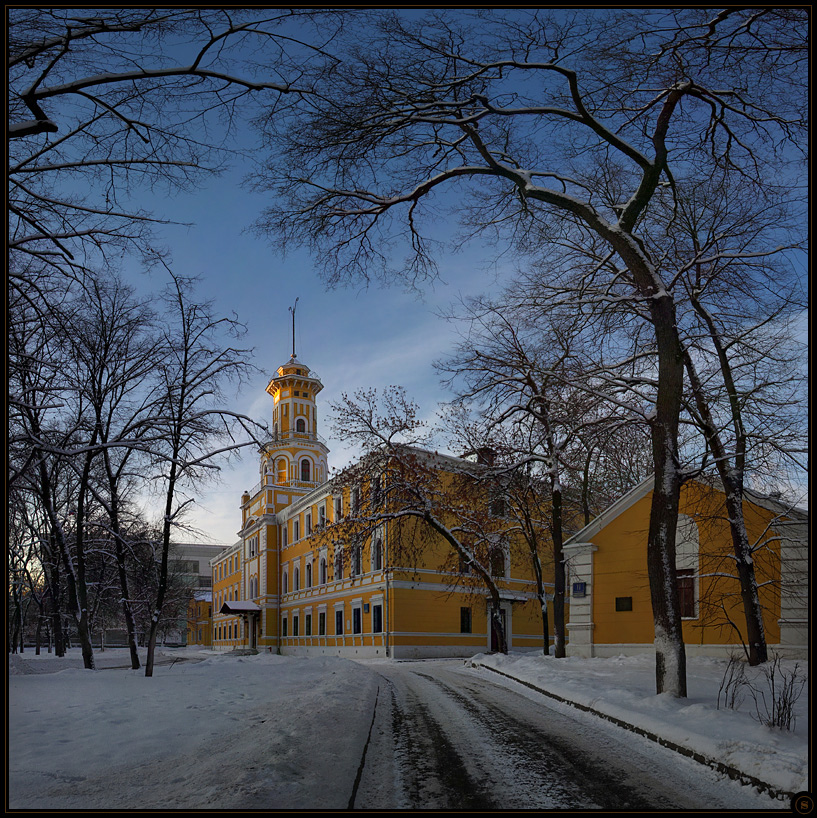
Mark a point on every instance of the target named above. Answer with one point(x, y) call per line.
point(193, 736)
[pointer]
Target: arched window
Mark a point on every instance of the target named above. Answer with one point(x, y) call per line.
point(309, 575)
point(305, 470)
point(297, 576)
point(281, 470)
point(323, 571)
point(300, 425)
point(339, 562)
point(377, 554)
point(286, 582)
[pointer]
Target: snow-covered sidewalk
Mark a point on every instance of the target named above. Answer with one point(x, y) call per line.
point(623, 690)
point(221, 731)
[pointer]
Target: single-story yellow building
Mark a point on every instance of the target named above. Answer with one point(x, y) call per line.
point(610, 608)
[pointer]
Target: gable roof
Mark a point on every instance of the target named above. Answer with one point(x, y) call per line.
point(640, 491)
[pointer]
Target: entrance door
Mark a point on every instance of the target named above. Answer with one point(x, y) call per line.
point(494, 634)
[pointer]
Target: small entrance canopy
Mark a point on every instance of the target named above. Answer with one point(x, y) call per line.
point(239, 607)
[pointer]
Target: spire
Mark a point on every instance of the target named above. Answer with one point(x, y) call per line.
point(292, 313)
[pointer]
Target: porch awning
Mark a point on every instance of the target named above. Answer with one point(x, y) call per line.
point(239, 606)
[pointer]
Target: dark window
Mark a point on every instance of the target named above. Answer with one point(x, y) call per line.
point(300, 424)
point(356, 620)
point(465, 620)
point(321, 624)
point(686, 592)
point(497, 562)
point(305, 470)
point(377, 618)
point(308, 625)
point(295, 626)
point(283, 627)
point(377, 554)
point(338, 622)
point(624, 603)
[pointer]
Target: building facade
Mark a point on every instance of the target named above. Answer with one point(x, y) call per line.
point(298, 582)
point(610, 607)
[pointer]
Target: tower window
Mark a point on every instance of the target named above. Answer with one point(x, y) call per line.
point(300, 425)
point(305, 470)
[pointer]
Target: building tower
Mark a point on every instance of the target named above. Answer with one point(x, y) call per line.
point(295, 458)
point(246, 582)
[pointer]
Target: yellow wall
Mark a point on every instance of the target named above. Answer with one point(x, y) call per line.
point(620, 570)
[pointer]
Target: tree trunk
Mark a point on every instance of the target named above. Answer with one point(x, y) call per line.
point(755, 632)
point(732, 482)
point(126, 604)
point(559, 629)
point(670, 654)
point(497, 630)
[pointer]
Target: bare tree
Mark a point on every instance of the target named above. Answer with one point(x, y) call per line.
point(427, 497)
point(108, 101)
point(573, 125)
point(191, 430)
point(740, 361)
point(541, 411)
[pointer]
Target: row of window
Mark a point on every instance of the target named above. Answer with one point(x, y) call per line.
point(228, 631)
point(357, 622)
point(227, 567)
point(227, 595)
point(322, 510)
point(355, 567)
point(281, 470)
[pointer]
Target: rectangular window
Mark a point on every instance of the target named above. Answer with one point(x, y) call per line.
point(465, 620)
point(686, 592)
point(296, 531)
point(377, 618)
point(338, 508)
point(624, 603)
point(497, 562)
point(308, 625)
point(295, 624)
point(322, 515)
point(322, 624)
point(285, 536)
point(284, 627)
point(356, 620)
point(338, 622)
point(308, 525)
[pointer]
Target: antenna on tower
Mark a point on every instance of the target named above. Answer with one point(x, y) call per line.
point(292, 313)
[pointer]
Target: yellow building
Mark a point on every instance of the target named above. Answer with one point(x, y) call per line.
point(298, 583)
point(200, 619)
point(610, 608)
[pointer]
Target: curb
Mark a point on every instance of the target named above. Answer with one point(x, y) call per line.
point(718, 766)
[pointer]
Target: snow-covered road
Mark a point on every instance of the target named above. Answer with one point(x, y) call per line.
point(446, 737)
point(227, 732)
